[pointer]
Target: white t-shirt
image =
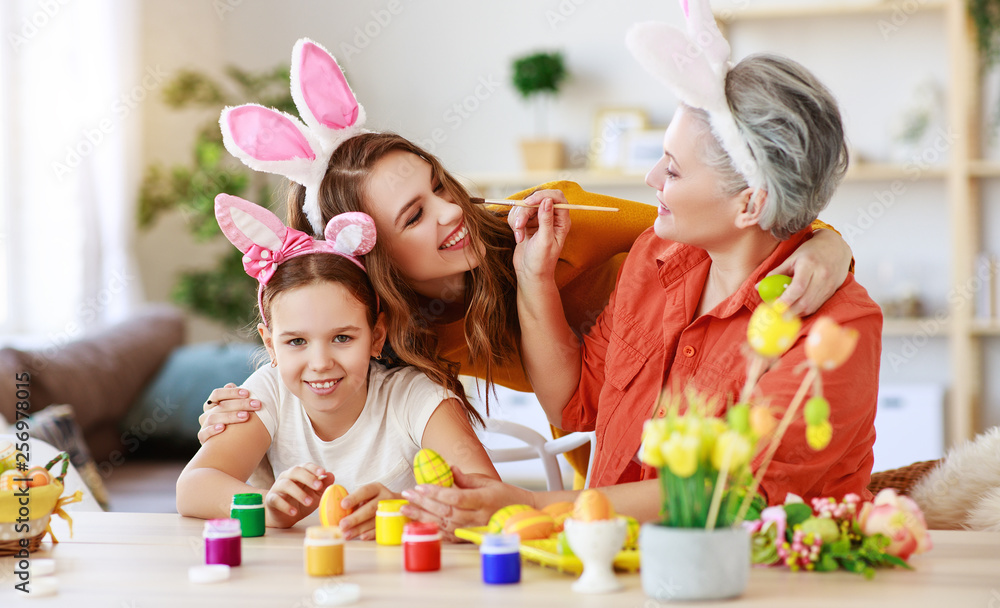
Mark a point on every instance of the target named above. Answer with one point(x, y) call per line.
point(379, 447)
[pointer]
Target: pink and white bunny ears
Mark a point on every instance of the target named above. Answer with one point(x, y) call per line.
point(266, 242)
point(694, 64)
point(275, 142)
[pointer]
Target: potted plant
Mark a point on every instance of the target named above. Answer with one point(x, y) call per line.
point(700, 548)
point(224, 293)
point(537, 77)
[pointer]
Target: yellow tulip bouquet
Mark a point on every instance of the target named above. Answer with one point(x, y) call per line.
point(703, 459)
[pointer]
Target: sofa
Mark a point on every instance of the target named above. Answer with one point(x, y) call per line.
point(123, 401)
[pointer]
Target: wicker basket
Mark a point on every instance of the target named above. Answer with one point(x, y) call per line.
point(902, 479)
point(44, 502)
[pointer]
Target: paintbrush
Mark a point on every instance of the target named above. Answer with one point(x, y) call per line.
point(510, 203)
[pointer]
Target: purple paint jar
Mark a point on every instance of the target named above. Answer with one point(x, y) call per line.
point(223, 542)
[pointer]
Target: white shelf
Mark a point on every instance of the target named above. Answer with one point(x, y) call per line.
point(901, 328)
point(842, 9)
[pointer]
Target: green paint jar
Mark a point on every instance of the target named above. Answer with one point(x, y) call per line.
point(249, 510)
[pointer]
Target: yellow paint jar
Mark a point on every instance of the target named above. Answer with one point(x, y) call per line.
point(324, 551)
point(389, 522)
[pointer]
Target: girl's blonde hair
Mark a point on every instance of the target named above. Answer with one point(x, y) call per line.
point(492, 331)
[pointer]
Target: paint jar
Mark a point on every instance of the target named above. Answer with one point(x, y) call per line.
point(501, 558)
point(249, 509)
point(389, 522)
point(223, 542)
point(324, 551)
point(421, 547)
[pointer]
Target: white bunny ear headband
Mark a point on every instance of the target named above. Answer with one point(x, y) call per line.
point(266, 242)
point(275, 142)
point(694, 64)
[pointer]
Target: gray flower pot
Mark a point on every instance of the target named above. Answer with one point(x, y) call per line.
point(693, 564)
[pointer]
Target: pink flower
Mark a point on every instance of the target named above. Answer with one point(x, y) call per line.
point(900, 519)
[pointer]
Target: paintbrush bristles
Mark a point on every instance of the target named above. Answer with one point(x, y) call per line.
point(511, 203)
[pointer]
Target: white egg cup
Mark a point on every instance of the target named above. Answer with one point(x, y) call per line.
point(596, 543)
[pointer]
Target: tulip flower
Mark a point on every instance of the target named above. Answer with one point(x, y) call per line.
point(898, 518)
point(681, 454)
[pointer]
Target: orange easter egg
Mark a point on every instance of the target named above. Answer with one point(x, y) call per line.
point(828, 345)
point(497, 521)
point(530, 525)
point(592, 505)
point(330, 511)
point(559, 512)
point(38, 476)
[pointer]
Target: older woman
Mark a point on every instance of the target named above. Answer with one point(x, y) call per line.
point(680, 309)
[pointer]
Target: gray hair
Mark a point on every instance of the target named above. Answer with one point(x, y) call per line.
point(792, 125)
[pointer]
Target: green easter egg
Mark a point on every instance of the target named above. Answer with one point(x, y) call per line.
point(817, 411)
point(738, 417)
point(771, 288)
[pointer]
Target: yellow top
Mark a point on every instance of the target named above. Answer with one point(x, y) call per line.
point(588, 267)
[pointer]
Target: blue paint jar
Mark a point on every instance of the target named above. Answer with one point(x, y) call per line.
point(501, 558)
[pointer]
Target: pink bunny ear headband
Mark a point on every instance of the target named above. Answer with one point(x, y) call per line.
point(694, 64)
point(266, 242)
point(275, 142)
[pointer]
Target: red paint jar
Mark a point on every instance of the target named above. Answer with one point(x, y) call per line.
point(223, 542)
point(421, 547)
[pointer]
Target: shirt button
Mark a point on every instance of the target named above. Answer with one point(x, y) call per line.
point(660, 413)
point(689, 351)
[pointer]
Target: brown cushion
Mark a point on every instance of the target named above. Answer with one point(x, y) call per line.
point(101, 374)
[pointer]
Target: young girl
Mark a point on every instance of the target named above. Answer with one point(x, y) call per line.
point(329, 413)
point(443, 265)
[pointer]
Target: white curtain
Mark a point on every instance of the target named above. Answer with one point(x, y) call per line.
point(71, 93)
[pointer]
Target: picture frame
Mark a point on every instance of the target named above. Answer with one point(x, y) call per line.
point(643, 149)
point(611, 127)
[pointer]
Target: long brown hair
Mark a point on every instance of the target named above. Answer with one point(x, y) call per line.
point(492, 331)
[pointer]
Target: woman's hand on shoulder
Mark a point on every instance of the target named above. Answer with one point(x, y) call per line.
point(471, 502)
point(295, 494)
point(818, 268)
point(540, 232)
point(364, 501)
point(227, 405)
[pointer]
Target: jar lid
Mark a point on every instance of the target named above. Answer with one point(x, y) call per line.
point(250, 498)
point(328, 534)
point(500, 543)
point(420, 528)
point(391, 506)
point(224, 527)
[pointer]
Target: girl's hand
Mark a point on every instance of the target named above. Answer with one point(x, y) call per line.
point(818, 268)
point(227, 405)
point(471, 502)
point(295, 494)
point(540, 233)
point(361, 523)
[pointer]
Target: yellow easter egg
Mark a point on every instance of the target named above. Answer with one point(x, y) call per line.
point(330, 510)
point(430, 468)
point(8, 456)
point(771, 332)
point(530, 525)
point(592, 505)
point(8, 483)
point(495, 525)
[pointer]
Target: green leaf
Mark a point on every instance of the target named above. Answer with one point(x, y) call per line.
point(826, 563)
point(797, 513)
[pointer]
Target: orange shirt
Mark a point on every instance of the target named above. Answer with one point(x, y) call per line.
point(648, 337)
